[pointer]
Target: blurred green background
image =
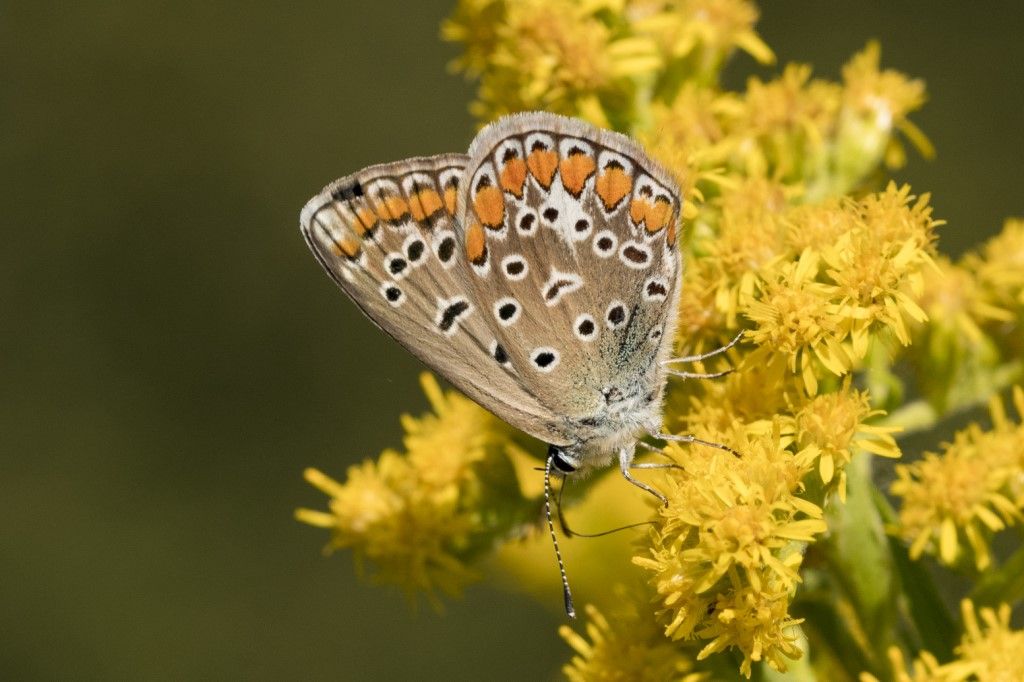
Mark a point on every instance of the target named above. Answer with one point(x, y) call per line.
point(172, 357)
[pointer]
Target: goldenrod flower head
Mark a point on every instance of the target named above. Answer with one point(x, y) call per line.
point(876, 102)
point(474, 23)
point(755, 621)
point(833, 426)
point(819, 226)
point(956, 302)
point(724, 553)
point(749, 239)
point(989, 649)
point(1000, 266)
point(627, 648)
point(970, 491)
point(419, 518)
point(789, 120)
point(706, 31)
point(885, 96)
point(795, 317)
point(558, 55)
point(877, 269)
point(699, 318)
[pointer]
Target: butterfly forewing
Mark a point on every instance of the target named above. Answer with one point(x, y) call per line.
point(570, 235)
point(389, 238)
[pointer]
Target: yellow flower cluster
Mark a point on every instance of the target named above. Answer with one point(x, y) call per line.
point(989, 651)
point(421, 516)
point(973, 489)
point(824, 139)
point(628, 648)
point(599, 59)
point(725, 551)
point(792, 235)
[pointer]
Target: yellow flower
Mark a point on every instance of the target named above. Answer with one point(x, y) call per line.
point(874, 103)
point(749, 239)
point(989, 650)
point(627, 648)
point(971, 490)
point(796, 318)
point(757, 622)
point(556, 55)
point(877, 269)
point(832, 426)
point(474, 23)
point(706, 31)
point(790, 121)
point(724, 553)
point(422, 517)
point(1000, 266)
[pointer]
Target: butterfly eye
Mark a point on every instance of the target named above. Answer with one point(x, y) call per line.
point(561, 461)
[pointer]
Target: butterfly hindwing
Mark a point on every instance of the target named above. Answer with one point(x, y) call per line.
point(389, 238)
point(569, 231)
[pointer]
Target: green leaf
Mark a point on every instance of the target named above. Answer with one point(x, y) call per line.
point(925, 609)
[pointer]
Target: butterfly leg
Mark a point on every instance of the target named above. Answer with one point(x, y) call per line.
point(705, 356)
point(626, 463)
point(699, 375)
point(695, 440)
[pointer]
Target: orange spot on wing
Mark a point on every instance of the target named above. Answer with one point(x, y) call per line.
point(476, 245)
point(365, 221)
point(576, 169)
point(612, 185)
point(658, 214)
point(451, 197)
point(489, 205)
point(513, 175)
point(392, 208)
point(425, 204)
point(348, 247)
point(542, 164)
point(670, 236)
point(638, 210)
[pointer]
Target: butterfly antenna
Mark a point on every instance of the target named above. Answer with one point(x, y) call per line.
point(570, 610)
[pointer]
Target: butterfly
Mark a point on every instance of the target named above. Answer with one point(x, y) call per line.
point(539, 274)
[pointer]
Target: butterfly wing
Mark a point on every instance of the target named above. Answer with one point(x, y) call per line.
point(388, 237)
point(570, 235)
